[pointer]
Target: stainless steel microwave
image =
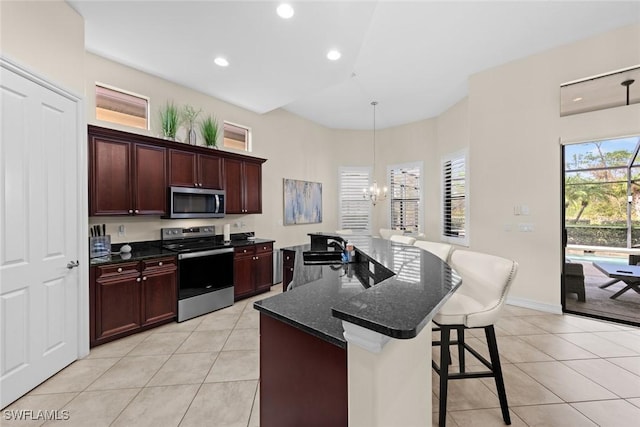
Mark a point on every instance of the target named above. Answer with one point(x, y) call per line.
point(187, 202)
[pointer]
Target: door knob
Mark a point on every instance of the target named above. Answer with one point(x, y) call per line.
point(72, 264)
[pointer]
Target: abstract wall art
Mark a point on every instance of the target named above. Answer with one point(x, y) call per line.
point(302, 202)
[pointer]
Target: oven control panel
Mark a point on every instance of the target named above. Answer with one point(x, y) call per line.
point(186, 233)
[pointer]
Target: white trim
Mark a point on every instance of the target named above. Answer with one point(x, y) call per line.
point(83, 232)
point(249, 137)
point(364, 338)
point(126, 92)
point(597, 76)
point(534, 305)
point(460, 241)
point(591, 140)
point(629, 251)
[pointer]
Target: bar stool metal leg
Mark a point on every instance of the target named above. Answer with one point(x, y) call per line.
point(497, 372)
point(445, 334)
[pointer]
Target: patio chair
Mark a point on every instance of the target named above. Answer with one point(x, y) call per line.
point(574, 279)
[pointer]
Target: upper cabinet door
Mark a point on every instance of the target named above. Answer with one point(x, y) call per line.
point(210, 171)
point(111, 185)
point(233, 186)
point(182, 169)
point(252, 187)
point(150, 176)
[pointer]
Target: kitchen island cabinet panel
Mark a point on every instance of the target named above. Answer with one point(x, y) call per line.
point(243, 275)
point(306, 385)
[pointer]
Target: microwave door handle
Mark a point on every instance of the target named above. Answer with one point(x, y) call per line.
point(217, 204)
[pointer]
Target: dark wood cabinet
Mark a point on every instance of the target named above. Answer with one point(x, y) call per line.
point(253, 269)
point(288, 261)
point(127, 178)
point(129, 174)
point(159, 290)
point(188, 169)
point(243, 184)
point(128, 297)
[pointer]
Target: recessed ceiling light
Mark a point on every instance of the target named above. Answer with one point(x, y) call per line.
point(285, 11)
point(579, 98)
point(334, 55)
point(221, 61)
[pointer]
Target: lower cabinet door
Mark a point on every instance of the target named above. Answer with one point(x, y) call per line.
point(264, 271)
point(243, 276)
point(117, 306)
point(159, 296)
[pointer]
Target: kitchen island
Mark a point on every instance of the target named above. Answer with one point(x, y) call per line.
point(329, 344)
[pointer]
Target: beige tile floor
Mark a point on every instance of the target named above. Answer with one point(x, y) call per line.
point(559, 371)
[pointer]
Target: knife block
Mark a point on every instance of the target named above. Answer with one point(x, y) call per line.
point(99, 246)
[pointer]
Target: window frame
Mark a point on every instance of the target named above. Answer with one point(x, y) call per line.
point(124, 92)
point(421, 213)
point(356, 169)
point(249, 143)
point(447, 158)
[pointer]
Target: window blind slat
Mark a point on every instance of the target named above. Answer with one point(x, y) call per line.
point(454, 198)
point(355, 210)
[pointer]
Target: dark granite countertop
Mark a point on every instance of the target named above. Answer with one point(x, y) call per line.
point(393, 289)
point(153, 249)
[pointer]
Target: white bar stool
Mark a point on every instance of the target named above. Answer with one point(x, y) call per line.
point(477, 303)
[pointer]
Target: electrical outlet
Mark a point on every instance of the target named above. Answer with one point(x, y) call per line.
point(121, 231)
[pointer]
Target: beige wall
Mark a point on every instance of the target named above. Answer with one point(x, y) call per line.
point(509, 122)
point(47, 38)
point(515, 130)
point(294, 148)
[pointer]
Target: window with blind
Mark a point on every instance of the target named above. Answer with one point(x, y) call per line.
point(455, 215)
point(118, 106)
point(237, 137)
point(355, 210)
point(405, 192)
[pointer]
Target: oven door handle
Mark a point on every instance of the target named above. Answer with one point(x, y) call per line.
point(199, 254)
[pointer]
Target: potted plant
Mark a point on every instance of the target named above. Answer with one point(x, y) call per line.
point(170, 119)
point(189, 115)
point(209, 131)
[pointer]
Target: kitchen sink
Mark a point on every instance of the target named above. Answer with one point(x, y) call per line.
point(322, 257)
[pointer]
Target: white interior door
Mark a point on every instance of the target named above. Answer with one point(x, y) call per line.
point(39, 227)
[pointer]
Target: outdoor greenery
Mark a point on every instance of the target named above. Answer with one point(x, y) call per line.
point(596, 200)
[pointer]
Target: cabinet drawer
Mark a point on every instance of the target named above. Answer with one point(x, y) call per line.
point(116, 270)
point(264, 248)
point(166, 263)
point(245, 250)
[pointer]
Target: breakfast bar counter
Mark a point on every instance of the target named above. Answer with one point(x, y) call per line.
point(389, 290)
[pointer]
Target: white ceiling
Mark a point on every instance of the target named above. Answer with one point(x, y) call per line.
point(414, 57)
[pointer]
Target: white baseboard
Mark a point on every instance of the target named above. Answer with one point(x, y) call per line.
point(535, 305)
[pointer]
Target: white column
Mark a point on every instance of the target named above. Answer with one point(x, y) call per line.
point(389, 380)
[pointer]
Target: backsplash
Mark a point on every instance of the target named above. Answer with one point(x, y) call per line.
point(144, 228)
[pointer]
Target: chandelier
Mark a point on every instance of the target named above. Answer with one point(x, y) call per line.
point(374, 193)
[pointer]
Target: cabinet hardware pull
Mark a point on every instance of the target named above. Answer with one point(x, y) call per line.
point(137, 211)
point(138, 279)
point(144, 278)
point(130, 211)
point(119, 269)
point(160, 263)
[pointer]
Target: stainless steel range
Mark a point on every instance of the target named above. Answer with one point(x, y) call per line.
point(205, 270)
